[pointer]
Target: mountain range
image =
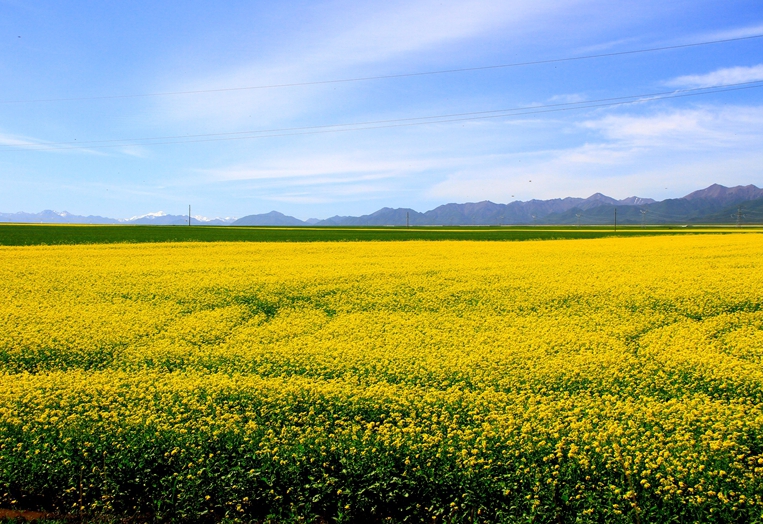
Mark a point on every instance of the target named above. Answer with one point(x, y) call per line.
point(714, 204)
point(157, 219)
point(478, 213)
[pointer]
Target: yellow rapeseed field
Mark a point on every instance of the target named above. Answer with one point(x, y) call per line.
point(610, 380)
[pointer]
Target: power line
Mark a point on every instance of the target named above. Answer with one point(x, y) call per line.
point(392, 123)
point(663, 94)
point(383, 77)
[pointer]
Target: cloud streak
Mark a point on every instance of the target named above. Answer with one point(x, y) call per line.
point(15, 143)
point(378, 37)
point(724, 76)
point(680, 148)
point(309, 169)
point(736, 32)
point(685, 129)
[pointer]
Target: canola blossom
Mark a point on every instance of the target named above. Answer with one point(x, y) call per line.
point(608, 380)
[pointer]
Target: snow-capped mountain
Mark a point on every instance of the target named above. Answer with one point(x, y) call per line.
point(149, 216)
point(162, 218)
point(54, 217)
point(157, 218)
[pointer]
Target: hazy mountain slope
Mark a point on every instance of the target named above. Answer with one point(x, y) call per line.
point(53, 217)
point(386, 216)
point(751, 210)
point(726, 195)
point(274, 218)
point(711, 205)
point(477, 213)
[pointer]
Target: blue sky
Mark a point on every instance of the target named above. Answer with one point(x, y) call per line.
point(660, 149)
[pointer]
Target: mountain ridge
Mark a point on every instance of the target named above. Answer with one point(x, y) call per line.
point(470, 213)
point(64, 217)
point(712, 204)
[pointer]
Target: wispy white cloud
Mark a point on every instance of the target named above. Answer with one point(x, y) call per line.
point(606, 46)
point(14, 142)
point(733, 32)
point(301, 198)
point(17, 141)
point(686, 38)
point(688, 129)
point(379, 37)
point(724, 76)
point(623, 150)
point(572, 98)
point(405, 27)
point(327, 168)
point(135, 151)
point(654, 155)
point(355, 191)
point(617, 173)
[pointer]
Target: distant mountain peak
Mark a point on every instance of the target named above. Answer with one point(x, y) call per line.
point(201, 218)
point(147, 215)
point(637, 201)
point(57, 213)
point(599, 196)
point(273, 218)
point(723, 193)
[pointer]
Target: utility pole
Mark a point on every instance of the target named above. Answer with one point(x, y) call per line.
point(407, 219)
point(615, 220)
point(739, 216)
point(578, 215)
point(189, 214)
point(643, 218)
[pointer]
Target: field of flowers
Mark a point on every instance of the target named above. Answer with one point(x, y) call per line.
point(607, 380)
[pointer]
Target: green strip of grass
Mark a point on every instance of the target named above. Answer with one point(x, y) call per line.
point(43, 234)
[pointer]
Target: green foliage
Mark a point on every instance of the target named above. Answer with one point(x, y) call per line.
point(33, 234)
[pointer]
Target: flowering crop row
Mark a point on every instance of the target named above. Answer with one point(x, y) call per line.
point(610, 380)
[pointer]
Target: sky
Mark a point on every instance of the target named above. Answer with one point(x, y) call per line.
point(125, 108)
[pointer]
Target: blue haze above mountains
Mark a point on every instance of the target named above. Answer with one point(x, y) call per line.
point(714, 204)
